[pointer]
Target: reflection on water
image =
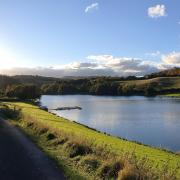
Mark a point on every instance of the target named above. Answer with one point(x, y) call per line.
point(153, 121)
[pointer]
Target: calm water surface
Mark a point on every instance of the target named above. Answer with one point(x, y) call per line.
point(152, 121)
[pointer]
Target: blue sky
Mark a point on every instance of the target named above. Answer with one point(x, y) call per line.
point(62, 34)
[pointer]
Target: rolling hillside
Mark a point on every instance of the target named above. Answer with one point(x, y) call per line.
point(159, 83)
point(163, 82)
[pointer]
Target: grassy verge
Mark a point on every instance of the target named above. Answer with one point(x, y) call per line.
point(87, 154)
point(173, 95)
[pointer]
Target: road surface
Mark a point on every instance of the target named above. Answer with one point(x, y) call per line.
point(20, 159)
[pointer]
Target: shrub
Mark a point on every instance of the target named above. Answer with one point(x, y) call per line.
point(11, 113)
point(110, 170)
point(128, 173)
point(43, 130)
point(76, 149)
point(50, 136)
point(91, 163)
point(29, 124)
point(59, 141)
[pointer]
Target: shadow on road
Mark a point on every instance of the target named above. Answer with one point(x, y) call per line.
point(20, 159)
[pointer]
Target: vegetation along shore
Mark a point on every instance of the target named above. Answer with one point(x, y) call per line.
point(27, 87)
point(84, 153)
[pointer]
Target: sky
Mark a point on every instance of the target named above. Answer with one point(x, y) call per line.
point(89, 37)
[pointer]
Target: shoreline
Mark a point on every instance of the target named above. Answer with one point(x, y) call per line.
point(58, 137)
point(119, 137)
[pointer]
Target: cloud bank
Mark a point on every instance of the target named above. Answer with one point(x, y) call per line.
point(157, 11)
point(102, 65)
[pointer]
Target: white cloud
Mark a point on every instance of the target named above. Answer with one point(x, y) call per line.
point(101, 65)
point(78, 65)
point(123, 66)
point(92, 7)
point(100, 57)
point(154, 54)
point(157, 11)
point(172, 58)
point(179, 22)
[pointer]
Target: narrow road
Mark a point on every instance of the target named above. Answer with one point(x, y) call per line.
point(20, 159)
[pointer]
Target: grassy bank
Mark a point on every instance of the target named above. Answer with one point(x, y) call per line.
point(172, 95)
point(159, 83)
point(87, 154)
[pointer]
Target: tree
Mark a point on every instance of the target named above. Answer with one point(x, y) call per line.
point(50, 88)
point(149, 90)
point(103, 88)
point(119, 90)
point(23, 91)
point(128, 89)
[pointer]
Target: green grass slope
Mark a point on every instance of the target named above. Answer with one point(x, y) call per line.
point(88, 152)
point(159, 83)
point(173, 95)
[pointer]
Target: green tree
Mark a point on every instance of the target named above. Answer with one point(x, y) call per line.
point(23, 91)
point(149, 90)
point(128, 89)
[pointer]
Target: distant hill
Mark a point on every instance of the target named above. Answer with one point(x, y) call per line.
point(25, 79)
point(34, 79)
point(166, 73)
point(39, 80)
point(7, 80)
point(167, 81)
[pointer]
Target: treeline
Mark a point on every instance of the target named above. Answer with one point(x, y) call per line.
point(27, 91)
point(98, 86)
point(40, 80)
point(31, 87)
point(102, 86)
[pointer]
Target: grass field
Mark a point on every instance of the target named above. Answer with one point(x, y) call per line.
point(159, 83)
point(84, 153)
point(173, 95)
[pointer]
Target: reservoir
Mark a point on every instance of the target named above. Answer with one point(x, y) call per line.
point(153, 121)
